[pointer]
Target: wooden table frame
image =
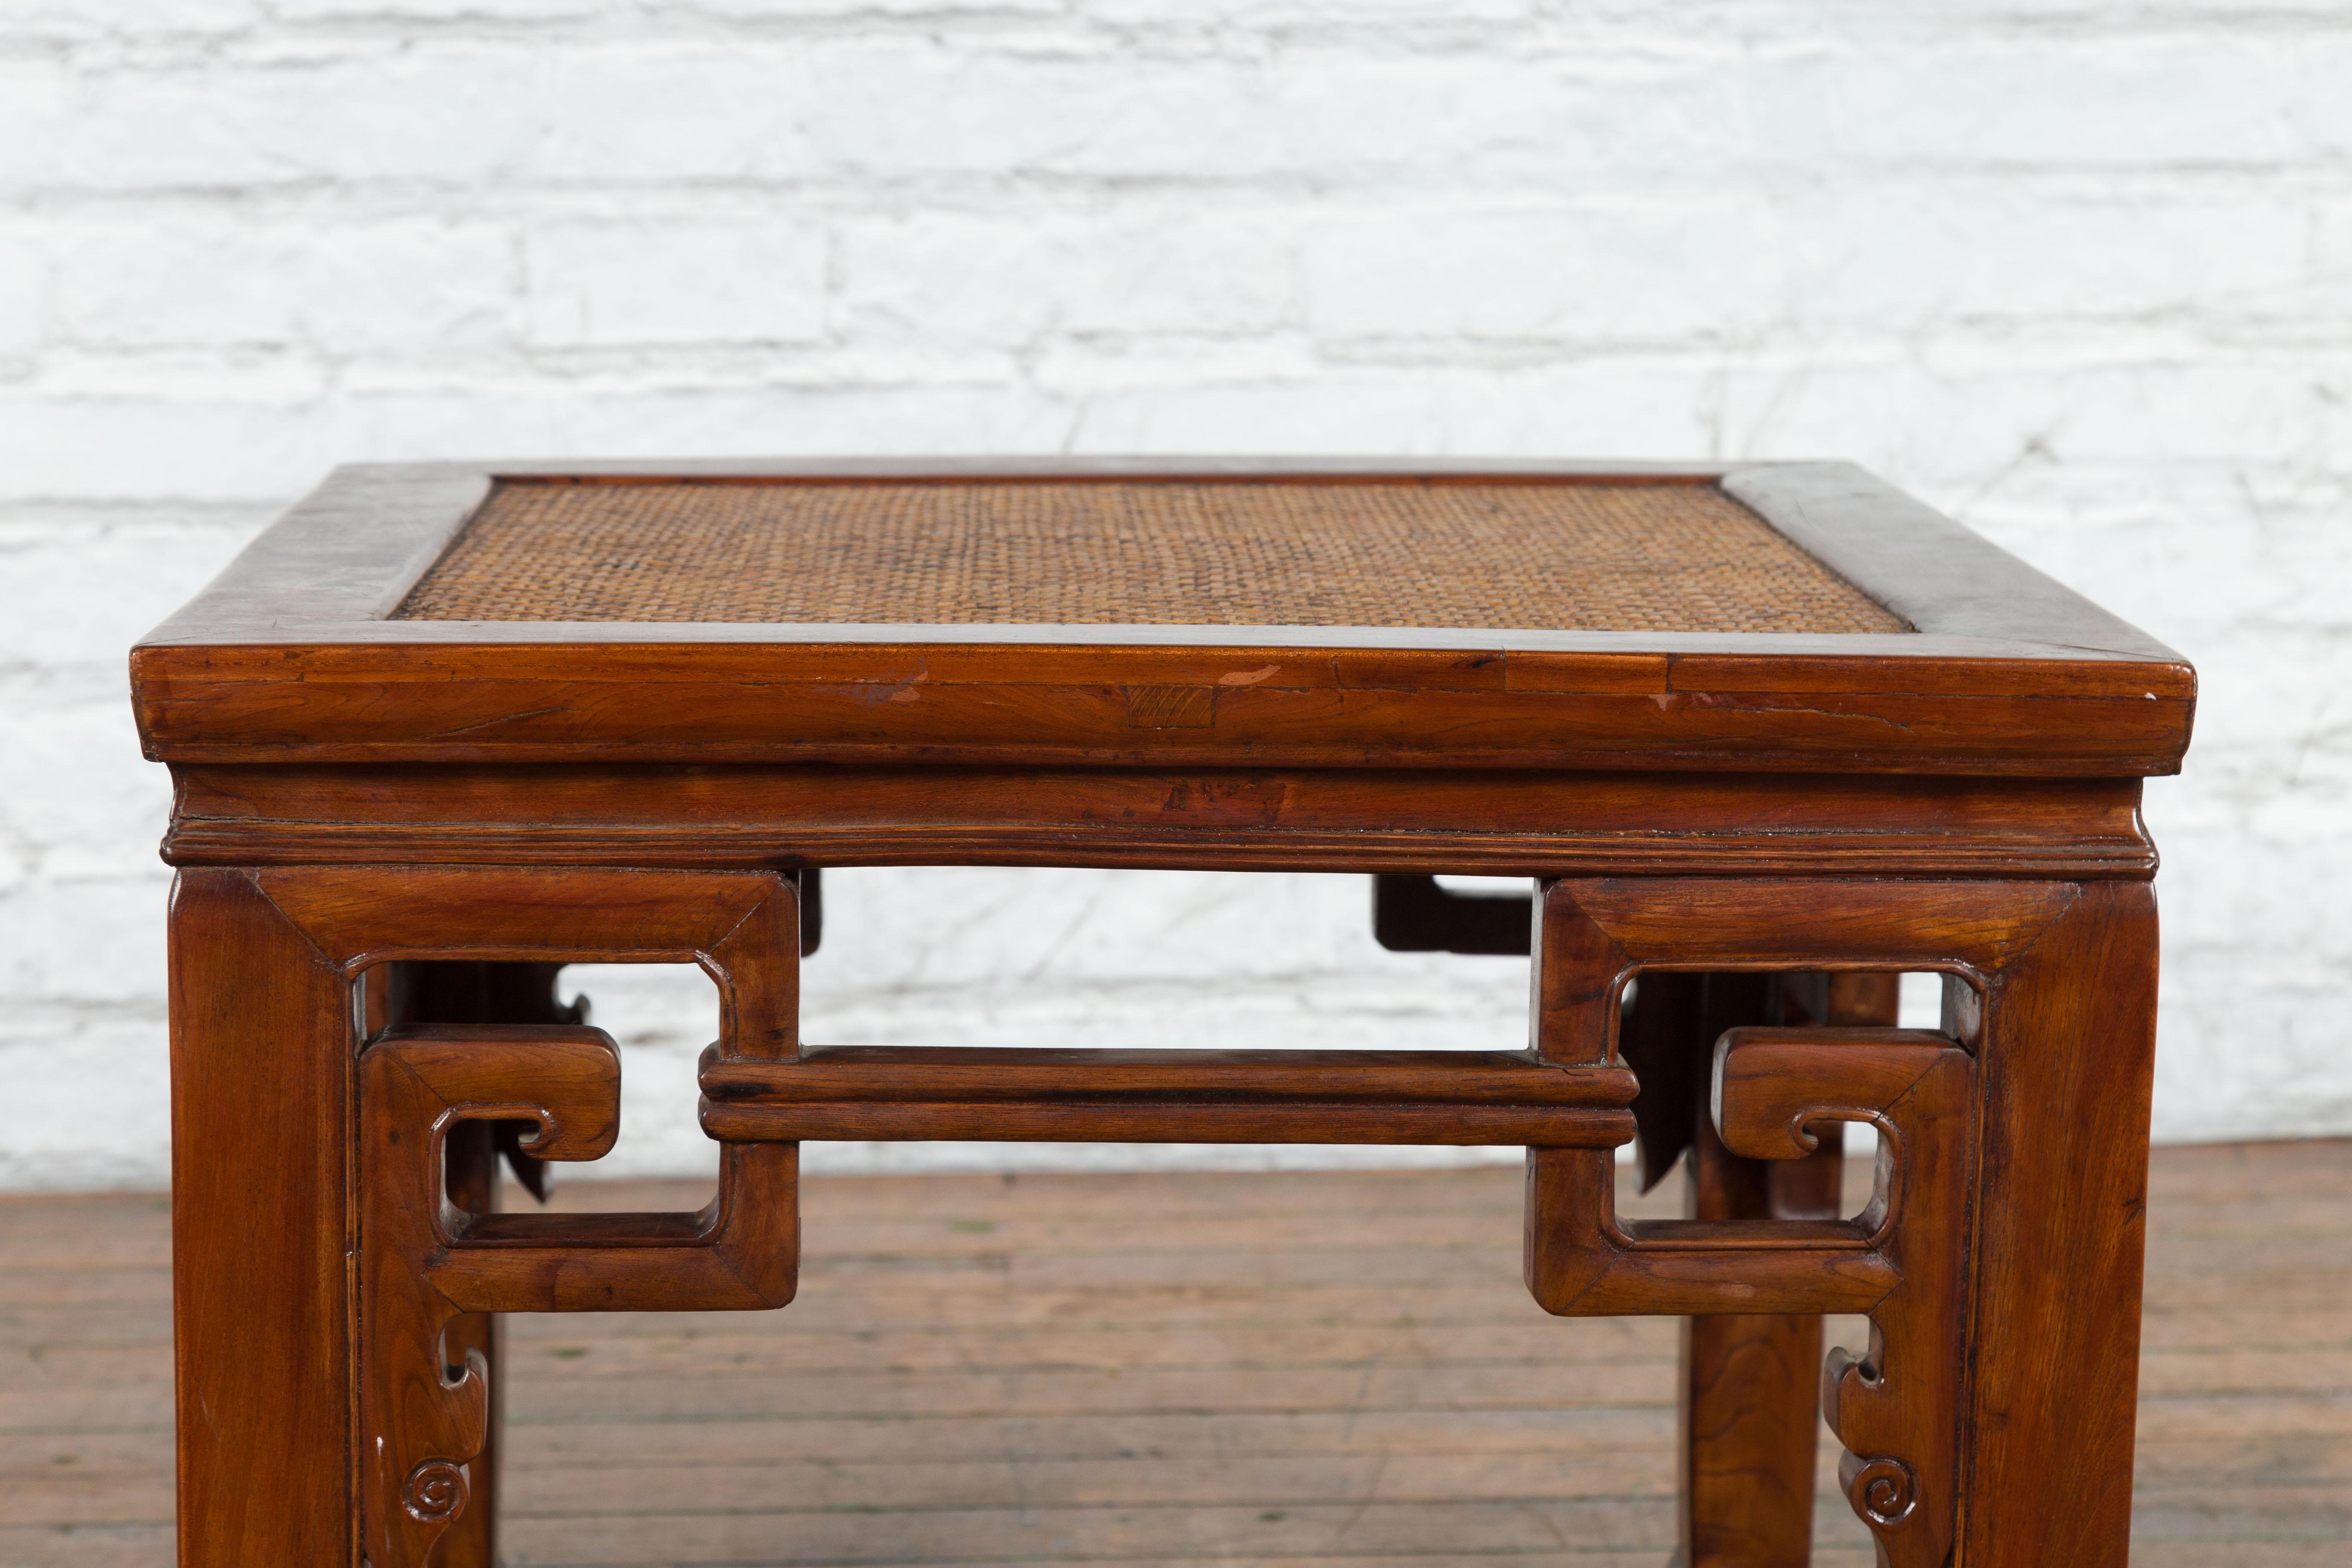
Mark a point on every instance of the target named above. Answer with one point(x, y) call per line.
point(388, 833)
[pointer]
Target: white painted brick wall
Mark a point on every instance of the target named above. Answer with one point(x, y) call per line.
point(2079, 272)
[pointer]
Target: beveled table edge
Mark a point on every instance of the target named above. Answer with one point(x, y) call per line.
point(320, 585)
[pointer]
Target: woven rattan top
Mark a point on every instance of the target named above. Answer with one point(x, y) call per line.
point(1454, 553)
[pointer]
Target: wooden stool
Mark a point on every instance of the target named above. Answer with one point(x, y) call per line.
point(1765, 737)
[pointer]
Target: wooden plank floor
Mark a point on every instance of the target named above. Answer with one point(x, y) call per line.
point(1173, 1370)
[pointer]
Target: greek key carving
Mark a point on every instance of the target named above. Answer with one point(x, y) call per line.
point(425, 1264)
point(1893, 1409)
point(427, 1421)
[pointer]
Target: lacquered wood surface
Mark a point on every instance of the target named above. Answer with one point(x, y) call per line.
point(1175, 1096)
point(2061, 1232)
point(836, 1074)
point(1511, 823)
point(400, 995)
point(1918, 1441)
point(1902, 1260)
point(289, 658)
point(370, 811)
point(262, 1230)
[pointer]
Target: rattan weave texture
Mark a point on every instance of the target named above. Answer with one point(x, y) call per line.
point(1548, 555)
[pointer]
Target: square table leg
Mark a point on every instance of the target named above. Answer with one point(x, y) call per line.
point(2046, 1435)
point(262, 1044)
point(295, 1427)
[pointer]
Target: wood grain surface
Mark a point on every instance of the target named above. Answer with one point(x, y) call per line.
point(1171, 1370)
point(289, 657)
point(259, 1044)
point(1189, 1096)
point(1225, 818)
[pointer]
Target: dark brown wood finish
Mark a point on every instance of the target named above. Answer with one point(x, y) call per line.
point(1223, 819)
point(261, 1227)
point(450, 993)
point(2077, 1198)
point(904, 1092)
point(2061, 1234)
point(392, 831)
point(397, 1460)
point(289, 658)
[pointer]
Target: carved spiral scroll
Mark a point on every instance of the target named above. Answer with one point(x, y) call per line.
point(1883, 1491)
point(435, 1493)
